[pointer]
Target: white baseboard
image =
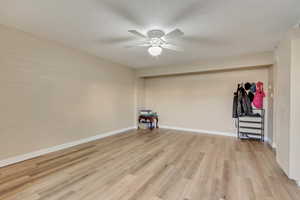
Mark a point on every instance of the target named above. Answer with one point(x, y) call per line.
point(199, 131)
point(298, 183)
point(272, 144)
point(203, 131)
point(34, 154)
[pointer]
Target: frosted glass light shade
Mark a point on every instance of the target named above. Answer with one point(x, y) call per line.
point(155, 51)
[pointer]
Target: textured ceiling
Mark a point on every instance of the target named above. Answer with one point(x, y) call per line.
point(213, 28)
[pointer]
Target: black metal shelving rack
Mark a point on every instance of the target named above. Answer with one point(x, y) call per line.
point(246, 124)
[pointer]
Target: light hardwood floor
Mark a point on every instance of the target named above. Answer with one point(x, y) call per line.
point(157, 165)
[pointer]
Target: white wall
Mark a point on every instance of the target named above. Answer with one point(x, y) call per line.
point(51, 94)
point(199, 101)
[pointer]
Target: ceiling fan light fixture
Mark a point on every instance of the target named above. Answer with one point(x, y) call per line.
point(155, 50)
point(157, 40)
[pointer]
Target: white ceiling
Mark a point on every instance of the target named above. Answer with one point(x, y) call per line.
point(213, 28)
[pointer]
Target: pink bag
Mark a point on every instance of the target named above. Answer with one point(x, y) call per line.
point(258, 100)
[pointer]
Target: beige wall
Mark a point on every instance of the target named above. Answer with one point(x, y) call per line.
point(270, 94)
point(275, 107)
point(236, 62)
point(139, 95)
point(287, 98)
point(200, 101)
point(295, 109)
point(282, 99)
point(51, 94)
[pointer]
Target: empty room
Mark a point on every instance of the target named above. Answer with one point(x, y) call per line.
point(149, 100)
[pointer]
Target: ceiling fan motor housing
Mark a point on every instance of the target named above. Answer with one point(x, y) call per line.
point(155, 33)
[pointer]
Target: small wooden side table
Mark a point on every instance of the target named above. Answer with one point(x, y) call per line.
point(149, 119)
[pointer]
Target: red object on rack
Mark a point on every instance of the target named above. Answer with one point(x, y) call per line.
point(258, 100)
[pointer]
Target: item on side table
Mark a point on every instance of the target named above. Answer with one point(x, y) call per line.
point(145, 112)
point(259, 95)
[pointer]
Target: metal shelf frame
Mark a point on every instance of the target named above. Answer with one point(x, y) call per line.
point(243, 124)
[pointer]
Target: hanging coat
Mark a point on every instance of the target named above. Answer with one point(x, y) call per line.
point(243, 103)
point(251, 96)
point(259, 95)
point(234, 105)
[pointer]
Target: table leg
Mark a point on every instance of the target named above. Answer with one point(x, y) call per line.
point(139, 121)
point(151, 124)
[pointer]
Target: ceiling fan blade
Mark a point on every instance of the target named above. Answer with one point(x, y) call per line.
point(172, 47)
point(112, 40)
point(173, 34)
point(136, 33)
point(143, 44)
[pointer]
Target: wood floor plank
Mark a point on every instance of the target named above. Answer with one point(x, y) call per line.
point(152, 165)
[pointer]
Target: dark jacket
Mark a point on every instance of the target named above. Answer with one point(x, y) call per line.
point(241, 103)
point(234, 105)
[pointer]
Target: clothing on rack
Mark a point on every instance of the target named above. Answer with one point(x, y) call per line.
point(241, 103)
point(234, 105)
point(253, 87)
point(244, 104)
point(251, 96)
point(247, 86)
point(259, 95)
point(244, 97)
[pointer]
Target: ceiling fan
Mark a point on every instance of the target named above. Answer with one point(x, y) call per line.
point(156, 40)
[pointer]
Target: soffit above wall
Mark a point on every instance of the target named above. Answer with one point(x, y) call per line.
point(246, 61)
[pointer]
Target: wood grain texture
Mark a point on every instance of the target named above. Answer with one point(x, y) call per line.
point(158, 165)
